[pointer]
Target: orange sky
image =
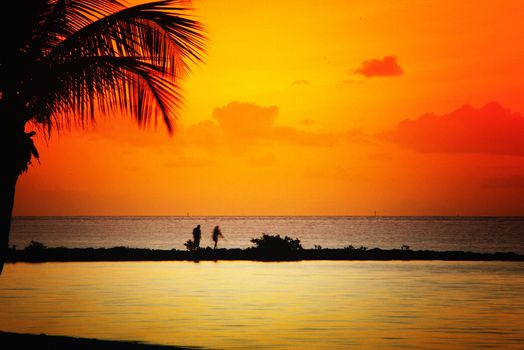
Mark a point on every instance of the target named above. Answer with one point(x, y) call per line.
point(317, 108)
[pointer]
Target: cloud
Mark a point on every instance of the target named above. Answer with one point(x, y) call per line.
point(301, 82)
point(234, 126)
point(512, 181)
point(490, 129)
point(246, 122)
point(387, 67)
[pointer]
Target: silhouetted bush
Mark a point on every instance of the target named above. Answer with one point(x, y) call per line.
point(352, 248)
point(274, 244)
point(35, 245)
point(190, 245)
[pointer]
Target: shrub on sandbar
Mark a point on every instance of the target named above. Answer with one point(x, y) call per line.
point(270, 243)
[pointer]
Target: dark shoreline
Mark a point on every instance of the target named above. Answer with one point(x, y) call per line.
point(54, 342)
point(249, 254)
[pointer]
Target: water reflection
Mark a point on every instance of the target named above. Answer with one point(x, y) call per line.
point(244, 305)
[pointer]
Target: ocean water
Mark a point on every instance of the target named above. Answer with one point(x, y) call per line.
point(255, 305)
point(478, 234)
point(286, 305)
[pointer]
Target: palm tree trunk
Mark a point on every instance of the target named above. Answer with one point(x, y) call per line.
point(15, 155)
point(8, 180)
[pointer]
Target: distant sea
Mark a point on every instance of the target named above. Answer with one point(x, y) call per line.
point(478, 234)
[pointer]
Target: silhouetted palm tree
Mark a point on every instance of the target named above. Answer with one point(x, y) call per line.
point(61, 61)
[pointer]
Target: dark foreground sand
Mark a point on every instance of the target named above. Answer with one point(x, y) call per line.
point(17, 341)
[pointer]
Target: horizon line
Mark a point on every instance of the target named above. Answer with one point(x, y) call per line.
point(281, 216)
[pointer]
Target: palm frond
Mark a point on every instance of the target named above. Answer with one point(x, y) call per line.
point(130, 60)
point(106, 83)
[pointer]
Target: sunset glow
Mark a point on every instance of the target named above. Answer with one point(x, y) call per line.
point(316, 108)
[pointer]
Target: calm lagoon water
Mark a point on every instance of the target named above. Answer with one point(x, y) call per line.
point(254, 305)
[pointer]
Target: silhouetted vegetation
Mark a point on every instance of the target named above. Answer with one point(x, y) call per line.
point(266, 248)
point(190, 245)
point(35, 246)
point(276, 244)
point(351, 248)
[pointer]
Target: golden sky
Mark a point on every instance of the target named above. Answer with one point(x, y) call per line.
point(317, 108)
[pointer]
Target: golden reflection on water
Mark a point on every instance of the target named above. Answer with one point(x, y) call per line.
point(319, 305)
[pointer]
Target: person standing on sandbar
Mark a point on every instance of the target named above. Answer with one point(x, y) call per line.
point(216, 234)
point(196, 236)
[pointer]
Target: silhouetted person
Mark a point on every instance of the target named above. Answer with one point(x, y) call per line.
point(196, 236)
point(216, 234)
